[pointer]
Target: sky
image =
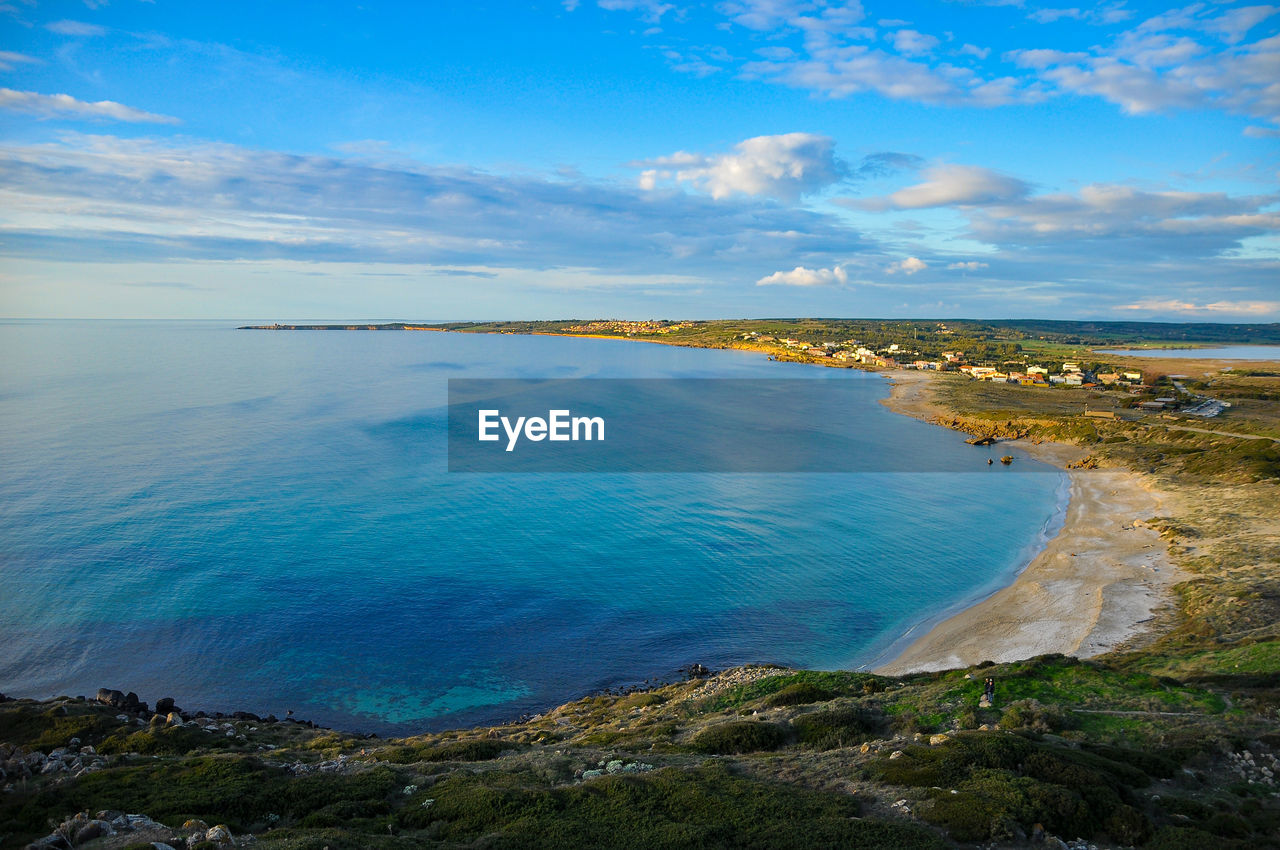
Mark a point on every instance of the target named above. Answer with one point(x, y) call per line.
point(639, 159)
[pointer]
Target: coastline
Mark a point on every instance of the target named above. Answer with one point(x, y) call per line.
point(1092, 589)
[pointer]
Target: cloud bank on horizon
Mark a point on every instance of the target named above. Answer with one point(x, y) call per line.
point(639, 158)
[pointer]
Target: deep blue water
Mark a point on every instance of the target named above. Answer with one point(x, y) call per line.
point(264, 521)
point(1226, 352)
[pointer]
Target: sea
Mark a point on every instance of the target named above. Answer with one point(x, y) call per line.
point(266, 521)
point(1224, 352)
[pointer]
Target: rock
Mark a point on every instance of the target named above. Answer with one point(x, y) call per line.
point(193, 825)
point(220, 834)
point(109, 697)
point(896, 754)
point(174, 718)
point(865, 748)
point(935, 740)
point(164, 705)
point(91, 830)
point(1053, 842)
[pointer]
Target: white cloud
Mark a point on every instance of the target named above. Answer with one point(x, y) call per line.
point(948, 185)
point(971, 266)
point(800, 276)
point(910, 265)
point(912, 43)
point(784, 166)
point(75, 28)
point(66, 106)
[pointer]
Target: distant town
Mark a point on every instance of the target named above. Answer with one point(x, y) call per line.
point(1066, 374)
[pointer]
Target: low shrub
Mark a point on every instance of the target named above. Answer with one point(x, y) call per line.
point(837, 727)
point(739, 736)
point(476, 750)
point(801, 693)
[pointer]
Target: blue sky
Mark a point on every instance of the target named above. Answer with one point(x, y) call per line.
point(639, 158)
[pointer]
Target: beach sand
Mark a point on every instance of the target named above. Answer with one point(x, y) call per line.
point(1094, 587)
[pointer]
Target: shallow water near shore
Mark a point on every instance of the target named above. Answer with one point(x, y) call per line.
point(1225, 352)
point(264, 521)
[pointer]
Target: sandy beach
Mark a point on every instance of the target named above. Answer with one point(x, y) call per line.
point(1093, 588)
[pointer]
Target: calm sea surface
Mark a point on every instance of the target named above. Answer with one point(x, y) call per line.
point(1226, 352)
point(264, 521)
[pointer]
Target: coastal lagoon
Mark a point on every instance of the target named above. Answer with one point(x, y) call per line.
point(265, 521)
point(1225, 352)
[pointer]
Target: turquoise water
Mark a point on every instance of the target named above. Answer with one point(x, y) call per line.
point(264, 521)
point(1226, 352)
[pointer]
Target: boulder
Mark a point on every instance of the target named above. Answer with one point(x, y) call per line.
point(220, 834)
point(91, 830)
point(164, 705)
point(115, 699)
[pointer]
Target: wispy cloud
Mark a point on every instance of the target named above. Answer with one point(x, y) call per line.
point(98, 197)
point(1194, 57)
point(950, 185)
point(66, 106)
point(79, 29)
point(8, 59)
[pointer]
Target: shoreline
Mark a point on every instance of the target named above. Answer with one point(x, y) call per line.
point(1093, 588)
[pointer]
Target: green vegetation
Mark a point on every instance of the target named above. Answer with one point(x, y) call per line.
point(739, 736)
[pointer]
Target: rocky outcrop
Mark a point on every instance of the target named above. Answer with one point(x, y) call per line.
point(125, 702)
point(16, 763)
point(80, 829)
point(985, 431)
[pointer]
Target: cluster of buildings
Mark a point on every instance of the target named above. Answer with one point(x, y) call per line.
point(617, 326)
point(894, 356)
point(1071, 375)
point(848, 351)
